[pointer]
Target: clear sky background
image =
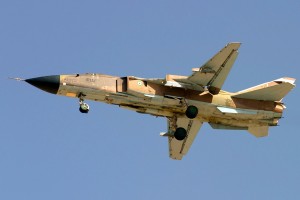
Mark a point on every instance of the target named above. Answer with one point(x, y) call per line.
point(48, 150)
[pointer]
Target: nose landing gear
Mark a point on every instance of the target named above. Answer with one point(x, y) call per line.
point(83, 107)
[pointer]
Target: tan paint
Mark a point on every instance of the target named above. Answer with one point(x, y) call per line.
point(138, 88)
point(71, 94)
point(159, 100)
point(254, 109)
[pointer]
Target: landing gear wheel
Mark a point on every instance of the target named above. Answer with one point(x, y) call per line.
point(84, 107)
point(180, 134)
point(191, 112)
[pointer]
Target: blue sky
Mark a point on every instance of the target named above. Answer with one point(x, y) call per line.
point(48, 150)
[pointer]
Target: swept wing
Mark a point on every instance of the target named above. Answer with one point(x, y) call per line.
point(177, 149)
point(214, 72)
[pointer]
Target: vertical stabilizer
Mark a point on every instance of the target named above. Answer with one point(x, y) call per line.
point(259, 131)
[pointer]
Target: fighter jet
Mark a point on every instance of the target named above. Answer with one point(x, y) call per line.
point(185, 101)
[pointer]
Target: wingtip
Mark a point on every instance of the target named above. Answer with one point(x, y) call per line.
point(287, 80)
point(235, 45)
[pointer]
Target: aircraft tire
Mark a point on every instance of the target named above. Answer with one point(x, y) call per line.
point(84, 108)
point(191, 112)
point(180, 134)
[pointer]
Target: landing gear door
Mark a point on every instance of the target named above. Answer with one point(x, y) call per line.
point(122, 84)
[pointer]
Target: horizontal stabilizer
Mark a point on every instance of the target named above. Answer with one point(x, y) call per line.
point(270, 91)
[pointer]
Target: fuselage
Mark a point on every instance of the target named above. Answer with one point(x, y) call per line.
point(160, 100)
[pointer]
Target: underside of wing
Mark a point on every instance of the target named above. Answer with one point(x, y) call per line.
point(178, 148)
point(215, 71)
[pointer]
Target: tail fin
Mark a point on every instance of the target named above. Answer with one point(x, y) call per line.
point(259, 131)
point(270, 91)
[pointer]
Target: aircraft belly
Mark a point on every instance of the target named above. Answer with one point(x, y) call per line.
point(168, 106)
point(89, 93)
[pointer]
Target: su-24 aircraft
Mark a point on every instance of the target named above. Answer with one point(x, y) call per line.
point(186, 101)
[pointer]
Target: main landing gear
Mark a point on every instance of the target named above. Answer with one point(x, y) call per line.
point(191, 112)
point(180, 134)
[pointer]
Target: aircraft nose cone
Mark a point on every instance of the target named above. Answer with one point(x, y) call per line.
point(47, 83)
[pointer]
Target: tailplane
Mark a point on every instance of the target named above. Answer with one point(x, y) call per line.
point(270, 91)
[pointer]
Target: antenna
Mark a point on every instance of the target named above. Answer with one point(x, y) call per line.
point(17, 79)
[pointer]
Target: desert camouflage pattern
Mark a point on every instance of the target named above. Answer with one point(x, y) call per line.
point(254, 109)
